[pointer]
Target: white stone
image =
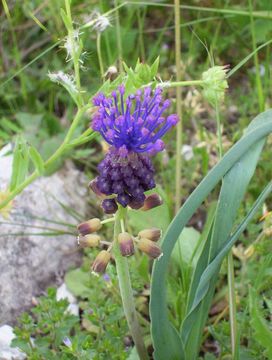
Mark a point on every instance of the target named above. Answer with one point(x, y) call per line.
point(64, 293)
point(6, 351)
point(187, 152)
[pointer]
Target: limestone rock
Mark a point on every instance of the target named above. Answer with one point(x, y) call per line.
point(30, 261)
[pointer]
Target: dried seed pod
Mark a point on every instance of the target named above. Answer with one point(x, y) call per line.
point(101, 262)
point(152, 201)
point(152, 234)
point(126, 244)
point(89, 240)
point(150, 248)
point(89, 226)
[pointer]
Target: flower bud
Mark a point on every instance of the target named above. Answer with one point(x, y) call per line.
point(215, 84)
point(152, 201)
point(109, 206)
point(101, 262)
point(150, 248)
point(89, 226)
point(126, 245)
point(89, 240)
point(152, 234)
point(93, 186)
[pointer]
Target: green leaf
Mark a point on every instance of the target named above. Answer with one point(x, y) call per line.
point(233, 188)
point(158, 305)
point(151, 218)
point(261, 330)
point(154, 67)
point(77, 282)
point(20, 163)
point(187, 242)
point(37, 160)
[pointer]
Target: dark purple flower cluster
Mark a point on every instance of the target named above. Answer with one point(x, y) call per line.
point(133, 127)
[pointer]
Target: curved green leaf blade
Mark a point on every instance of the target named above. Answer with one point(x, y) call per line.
point(158, 306)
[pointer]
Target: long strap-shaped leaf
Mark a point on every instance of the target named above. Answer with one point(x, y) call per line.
point(234, 186)
point(166, 345)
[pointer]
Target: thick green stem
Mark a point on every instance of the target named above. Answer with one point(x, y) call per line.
point(179, 110)
point(126, 291)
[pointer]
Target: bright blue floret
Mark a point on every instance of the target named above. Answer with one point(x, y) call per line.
point(135, 124)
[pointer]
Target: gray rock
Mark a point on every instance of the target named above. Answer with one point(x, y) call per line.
point(28, 262)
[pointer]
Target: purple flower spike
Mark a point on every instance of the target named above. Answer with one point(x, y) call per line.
point(133, 127)
point(134, 124)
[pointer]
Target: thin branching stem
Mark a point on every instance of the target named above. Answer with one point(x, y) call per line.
point(99, 55)
point(179, 104)
point(118, 36)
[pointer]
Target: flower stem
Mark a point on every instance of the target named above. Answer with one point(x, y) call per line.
point(179, 110)
point(231, 280)
point(99, 55)
point(118, 37)
point(75, 55)
point(126, 290)
point(185, 83)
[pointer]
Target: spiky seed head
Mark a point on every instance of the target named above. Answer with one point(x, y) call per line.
point(215, 84)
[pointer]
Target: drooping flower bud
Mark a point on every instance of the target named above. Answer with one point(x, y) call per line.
point(89, 226)
point(94, 188)
point(89, 240)
point(109, 206)
point(101, 262)
point(150, 248)
point(152, 234)
point(215, 84)
point(126, 244)
point(152, 201)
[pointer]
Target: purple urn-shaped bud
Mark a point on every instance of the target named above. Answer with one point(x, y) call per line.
point(126, 244)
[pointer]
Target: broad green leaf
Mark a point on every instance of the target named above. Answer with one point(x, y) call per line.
point(188, 241)
point(158, 306)
point(233, 188)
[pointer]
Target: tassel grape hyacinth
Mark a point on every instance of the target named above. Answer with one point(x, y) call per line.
point(133, 127)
